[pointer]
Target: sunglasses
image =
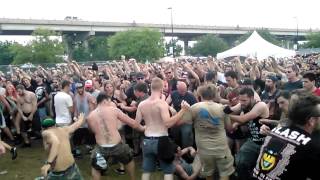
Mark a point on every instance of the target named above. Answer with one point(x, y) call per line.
point(140, 78)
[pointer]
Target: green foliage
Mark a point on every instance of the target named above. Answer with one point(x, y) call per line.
point(95, 49)
point(6, 56)
point(98, 47)
point(80, 52)
point(208, 45)
point(264, 33)
point(43, 49)
point(313, 40)
point(141, 44)
point(22, 54)
point(177, 48)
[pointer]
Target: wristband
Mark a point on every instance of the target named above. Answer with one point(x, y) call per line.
point(227, 110)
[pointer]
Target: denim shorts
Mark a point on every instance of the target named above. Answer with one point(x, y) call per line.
point(72, 172)
point(150, 157)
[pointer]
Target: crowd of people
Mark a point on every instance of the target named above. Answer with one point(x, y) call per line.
point(191, 118)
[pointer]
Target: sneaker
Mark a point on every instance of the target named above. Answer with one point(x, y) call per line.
point(120, 171)
point(18, 139)
point(14, 153)
point(26, 145)
point(3, 172)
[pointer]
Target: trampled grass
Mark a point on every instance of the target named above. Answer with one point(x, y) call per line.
point(30, 160)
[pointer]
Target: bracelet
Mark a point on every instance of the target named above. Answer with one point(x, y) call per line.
point(47, 162)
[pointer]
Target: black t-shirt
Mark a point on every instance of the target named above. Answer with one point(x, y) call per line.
point(290, 86)
point(32, 87)
point(288, 153)
point(177, 99)
point(265, 97)
point(254, 129)
point(172, 85)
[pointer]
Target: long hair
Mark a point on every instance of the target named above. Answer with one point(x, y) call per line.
point(14, 91)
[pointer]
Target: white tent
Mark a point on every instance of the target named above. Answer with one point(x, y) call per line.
point(256, 46)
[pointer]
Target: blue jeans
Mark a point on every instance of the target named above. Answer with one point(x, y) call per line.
point(187, 138)
point(150, 156)
point(246, 159)
point(42, 113)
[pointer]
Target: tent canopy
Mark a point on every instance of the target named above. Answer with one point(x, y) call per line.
point(256, 46)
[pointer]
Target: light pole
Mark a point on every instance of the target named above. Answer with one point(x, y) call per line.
point(172, 32)
point(297, 35)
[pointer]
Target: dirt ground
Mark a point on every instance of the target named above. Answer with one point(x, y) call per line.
point(27, 165)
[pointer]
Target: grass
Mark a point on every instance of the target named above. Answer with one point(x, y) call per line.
point(30, 160)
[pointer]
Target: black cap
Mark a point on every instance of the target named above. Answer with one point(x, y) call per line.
point(246, 82)
point(139, 75)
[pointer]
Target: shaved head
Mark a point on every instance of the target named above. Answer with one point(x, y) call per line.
point(181, 87)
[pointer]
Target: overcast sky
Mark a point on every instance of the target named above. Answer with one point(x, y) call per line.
point(250, 13)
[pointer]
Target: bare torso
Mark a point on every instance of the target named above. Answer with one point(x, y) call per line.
point(64, 158)
point(104, 123)
point(25, 101)
point(151, 114)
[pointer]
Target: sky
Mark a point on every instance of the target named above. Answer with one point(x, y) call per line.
point(248, 13)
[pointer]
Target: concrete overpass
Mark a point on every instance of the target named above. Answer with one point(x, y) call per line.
point(27, 26)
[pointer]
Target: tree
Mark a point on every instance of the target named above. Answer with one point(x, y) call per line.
point(141, 44)
point(208, 45)
point(177, 48)
point(264, 33)
point(6, 56)
point(42, 49)
point(22, 54)
point(80, 52)
point(98, 47)
point(313, 40)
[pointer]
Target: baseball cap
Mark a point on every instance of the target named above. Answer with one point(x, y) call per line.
point(88, 84)
point(246, 82)
point(79, 85)
point(272, 78)
point(139, 75)
point(48, 122)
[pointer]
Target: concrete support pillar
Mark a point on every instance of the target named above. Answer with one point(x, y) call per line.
point(185, 45)
point(71, 40)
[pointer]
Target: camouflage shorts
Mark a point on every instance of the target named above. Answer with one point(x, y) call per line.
point(71, 173)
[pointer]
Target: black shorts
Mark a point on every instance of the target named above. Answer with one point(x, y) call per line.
point(25, 125)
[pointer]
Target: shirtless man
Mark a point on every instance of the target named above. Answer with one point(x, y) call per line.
point(27, 106)
point(104, 122)
point(155, 112)
point(60, 161)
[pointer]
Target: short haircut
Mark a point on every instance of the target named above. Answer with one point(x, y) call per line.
point(232, 74)
point(65, 83)
point(303, 109)
point(156, 84)
point(20, 86)
point(207, 92)
point(141, 87)
point(294, 68)
point(310, 76)
point(102, 96)
point(284, 94)
point(247, 91)
point(211, 76)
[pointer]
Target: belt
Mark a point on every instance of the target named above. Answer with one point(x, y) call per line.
point(152, 137)
point(63, 172)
